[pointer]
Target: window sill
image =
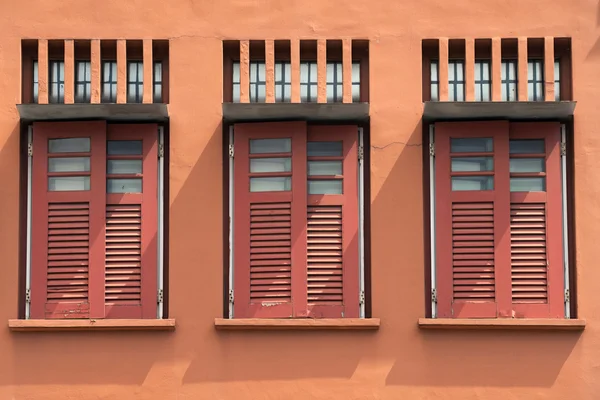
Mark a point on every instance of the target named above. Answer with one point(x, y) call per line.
point(502, 324)
point(38, 325)
point(297, 324)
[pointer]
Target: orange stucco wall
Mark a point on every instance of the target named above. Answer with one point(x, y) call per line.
point(397, 362)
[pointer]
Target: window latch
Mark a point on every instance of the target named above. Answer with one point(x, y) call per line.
point(28, 296)
point(563, 149)
point(30, 149)
point(434, 295)
point(431, 149)
point(231, 151)
point(361, 152)
point(161, 150)
point(567, 295)
point(160, 296)
point(231, 296)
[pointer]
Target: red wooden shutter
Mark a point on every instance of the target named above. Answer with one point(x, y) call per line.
point(332, 231)
point(472, 241)
point(537, 275)
point(131, 221)
point(67, 260)
point(269, 226)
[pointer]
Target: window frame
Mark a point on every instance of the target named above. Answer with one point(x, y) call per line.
point(456, 80)
point(58, 85)
point(87, 84)
point(109, 80)
point(481, 83)
point(532, 84)
point(507, 82)
point(138, 96)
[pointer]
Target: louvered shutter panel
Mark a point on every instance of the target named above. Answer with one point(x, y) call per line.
point(332, 224)
point(130, 290)
point(269, 224)
point(472, 241)
point(537, 274)
point(68, 187)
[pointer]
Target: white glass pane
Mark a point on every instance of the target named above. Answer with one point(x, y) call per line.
point(71, 145)
point(261, 72)
point(451, 71)
point(478, 68)
point(556, 70)
point(527, 184)
point(313, 93)
point(35, 71)
point(105, 71)
point(486, 92)
point(512, 71)
point(526, 146)
point(329, 73)
point(527, 165)
point(303, 93)
point(462, 164)
point(124, 167)
point(434, 92)
point(472, 183)
point(324, 149)
point(324, 168)
point(272, 184)
point(253, 92)
point(340, 72)
point(512, 95)
point(252, 72)
point(355, 93)
point(270, 164)
point(538, 70)
point(340, 90)
point(236, 72)
point(259, 146)
point(261, 93)
point(80, 71)
point(330, 97)
point(133, 185)
point(158, 93)
point(287, 92)
point(131, 93)
point(477, 92)
point(158, 71)
point(113, 68)
point(68, 183)
point(459, 71)
point(464, 145)
point(530, 93)
point(485, 71)
point(530, 66)
point(140, 72)
point(132, 71)
point(503, 71)
point(539, 91)
point(124, 147)
point(451, 93)
point(434, 72)
point(288, 72)
point(325, 187)
point(355, 73)
point(278, 92)
point(304, 73)
point(140, 93)
point(460, 92)
point(278, 72)
point(557, 92)
point(69, 164)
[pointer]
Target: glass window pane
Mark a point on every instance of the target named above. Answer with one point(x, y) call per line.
point(258, 146)
point(527, 165)
point(539, 90)
point(434, 72)
point(461, 164)
point(460, 92)
point(478, 68)
point(434, 92)
point(287, 92)
point(526, 146)
point(132, 72)
point(451, 93)
point(472, 183)
point(459, 71)
point(324, 168)
point(355, 72)
point(278, 72)
point(451, 71)
point(270, 164)
point(325, 186)
point(272, 184)
point(303, 93)
point(261, 72)
point(124, 147)
point(236, 93)
point(71, 145)
point(324, 149)
point(527, 184)
point(503, 71)
point(557, 92)
point(252, 72)
point(236, 72)
point(330, 72)
point(530, 93)
point(477, 92)
point(304, 73)
point(313, 93)
point(485, 71)
point(330, 97)
point(512, 94)
point(486, 92)
point(355, 93)
point(512, 67)
point(124, 167)
point(69, 164)
point(468, 145)
point(133, 185)
point(530, 70)
point(313, 72)
point(278, 92)
point(288, 72)
point(68, 183)
point(158, 71)
point(262, 93)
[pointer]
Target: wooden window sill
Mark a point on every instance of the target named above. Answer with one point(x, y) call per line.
point(503, 324)
point(37, 325)
point(297, 324)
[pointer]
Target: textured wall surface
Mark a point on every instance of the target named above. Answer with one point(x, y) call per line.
point(397, 362)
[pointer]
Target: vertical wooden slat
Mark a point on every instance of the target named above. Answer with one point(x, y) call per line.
point(96, 67)
point(295, 65)
point(347, 70)
point(522, 66)
point(469, 69)
point(496, 69)
point(69, 71)
point(43, 71)
point(244, 71)
point(121, 71)
point(443, 70)
point(270, 70)
point(549, 68)
point(148, 72)
point(322, 71)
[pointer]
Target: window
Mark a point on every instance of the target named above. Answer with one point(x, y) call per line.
point(236, 82)
point(456, 80)
point(83, 82)
point(482, 80)
point(56, 89)
point(283, 82)
point(94, 220)
point(135, 81)
point(295, 235)
point(335, 84)
point(535, 80)
point(158, 81)
point(509, 80)
point(557, 80)
point(498, 217)
point(356, 82)
point(435, 81)
point(35, 82)
point(109, 82)
point(258, 82)
point(308, 82)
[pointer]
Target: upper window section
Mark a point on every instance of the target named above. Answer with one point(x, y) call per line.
point(94, 71)
point(324, 72)
point(483, 87)
point(509, 80)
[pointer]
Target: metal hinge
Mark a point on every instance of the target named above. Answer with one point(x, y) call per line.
point(231, 296)
point(161, 150)
point(361, 298)
point(567, 295)
point(361, 152)
point(434, 295)
point(160, 296)
point(231, 151)
point(30, 149)
point(432, 149)
point(28, 296)
point(563, 149)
